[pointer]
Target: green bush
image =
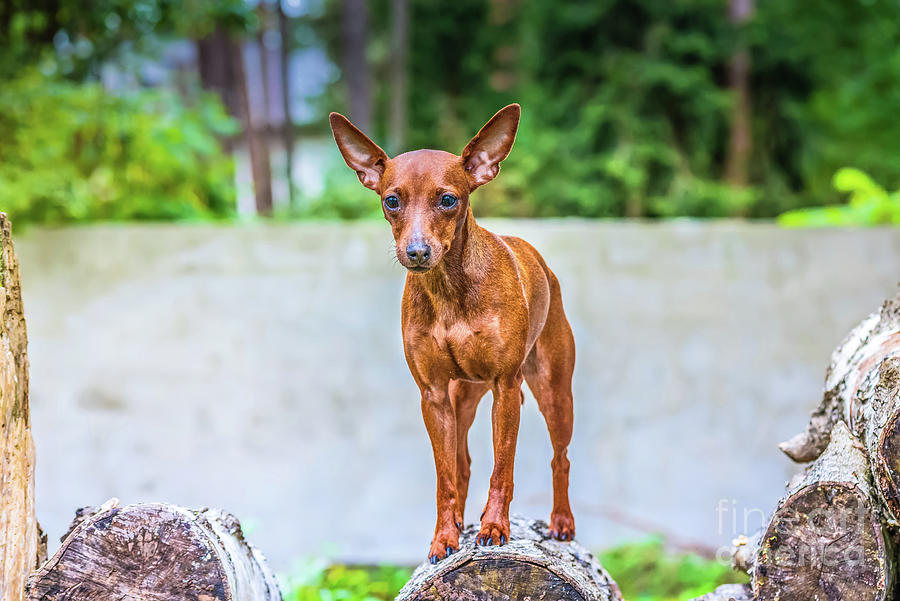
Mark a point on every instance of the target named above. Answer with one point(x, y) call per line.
point(315, 581)
point(646, 571)
point(75, 152)
point(628, 105)
point(868, 204)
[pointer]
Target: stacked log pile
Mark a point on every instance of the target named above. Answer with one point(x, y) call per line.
point(833, 535)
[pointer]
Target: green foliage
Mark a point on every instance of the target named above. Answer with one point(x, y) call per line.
point(76, 152)
point(826, 91)
point(628, 104)
point(645, 571)
point(71, 38)
point(627, 107)
point(868, 204)
point(317, 581)
point(631, 113)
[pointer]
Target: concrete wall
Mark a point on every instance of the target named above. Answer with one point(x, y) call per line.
point(260, 369)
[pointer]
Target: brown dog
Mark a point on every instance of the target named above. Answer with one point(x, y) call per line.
point(480, 312)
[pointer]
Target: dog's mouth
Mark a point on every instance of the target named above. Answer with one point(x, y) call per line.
point(419, 268)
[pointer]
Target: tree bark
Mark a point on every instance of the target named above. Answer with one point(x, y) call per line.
point(22, 545)
point(356, 68)
point(153, 552)
point(530, 566)
point(729, 592)
point(827, 539)
point(876, 422)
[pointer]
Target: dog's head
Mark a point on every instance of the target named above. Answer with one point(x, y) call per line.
point(425, 193)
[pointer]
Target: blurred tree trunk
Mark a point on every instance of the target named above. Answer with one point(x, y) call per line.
point(264, 120)
point(259, 152)
point(399, 51)
point(505, 59)
point(287, 129)
point(215, 69)
point(741, 145)
point(356, 69)
point(220, 60)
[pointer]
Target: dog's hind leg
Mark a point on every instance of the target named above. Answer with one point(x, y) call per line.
point(548, 371)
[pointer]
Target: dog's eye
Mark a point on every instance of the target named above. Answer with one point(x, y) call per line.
point(448, 201)
point(392, 202)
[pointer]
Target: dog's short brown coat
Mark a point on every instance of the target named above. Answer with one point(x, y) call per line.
point(480, 312)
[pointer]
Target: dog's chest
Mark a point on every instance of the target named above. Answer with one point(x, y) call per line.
point(471, 346)
point(460, 333)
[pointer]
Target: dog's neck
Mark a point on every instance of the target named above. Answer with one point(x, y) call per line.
point(462, 268)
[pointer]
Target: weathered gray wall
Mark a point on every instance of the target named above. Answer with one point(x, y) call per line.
point(260, 369)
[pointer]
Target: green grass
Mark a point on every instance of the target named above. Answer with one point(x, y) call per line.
point(314, 581)
point(645, 571)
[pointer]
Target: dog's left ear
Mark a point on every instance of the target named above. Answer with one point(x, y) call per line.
point(483, 154)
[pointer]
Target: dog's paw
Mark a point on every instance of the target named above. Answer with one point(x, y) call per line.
point(493, 533)
point(562, 526)
point(444, 545)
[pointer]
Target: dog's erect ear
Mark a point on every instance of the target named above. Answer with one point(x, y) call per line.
point(482, 156)
point(360, 153)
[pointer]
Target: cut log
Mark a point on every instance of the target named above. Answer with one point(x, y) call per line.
point(153, 552)
point(827, 539)
point(22, 546)
point(853, 363)
point(530, 566)
point(729, 592)
point(876, 418)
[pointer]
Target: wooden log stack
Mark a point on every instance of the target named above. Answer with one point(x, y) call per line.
point(833, 535)
point(153, 552)
point(21, 544)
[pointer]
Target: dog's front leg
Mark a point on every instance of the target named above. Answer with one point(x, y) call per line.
point(440, 421)
point(505, 423)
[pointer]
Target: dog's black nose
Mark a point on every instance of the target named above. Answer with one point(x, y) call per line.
point(418, 252)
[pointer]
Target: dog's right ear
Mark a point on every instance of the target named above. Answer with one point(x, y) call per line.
point(360, 153)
